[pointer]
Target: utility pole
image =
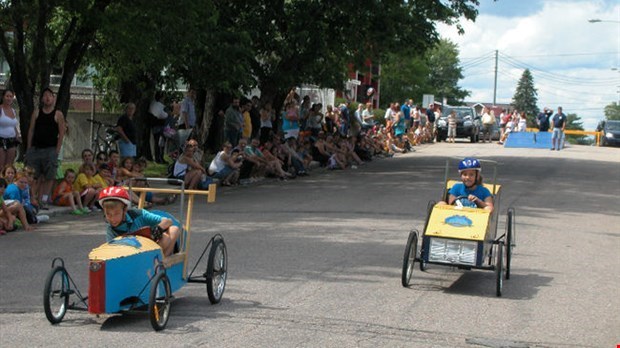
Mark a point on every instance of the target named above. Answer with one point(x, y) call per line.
point(495, 85)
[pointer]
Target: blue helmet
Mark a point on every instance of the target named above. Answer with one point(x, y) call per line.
point(469, 163)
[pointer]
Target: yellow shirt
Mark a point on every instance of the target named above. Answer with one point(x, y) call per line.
point(82, 181)
point(247, 125)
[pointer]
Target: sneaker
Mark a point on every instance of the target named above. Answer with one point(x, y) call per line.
point(18, 224)
point(354, 167)
point(85, 210)
point(42, 218)
point(78, 212)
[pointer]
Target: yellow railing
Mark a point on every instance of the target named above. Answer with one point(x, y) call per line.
point(597, 135)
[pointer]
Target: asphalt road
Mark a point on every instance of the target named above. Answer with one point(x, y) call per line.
point(316, 262)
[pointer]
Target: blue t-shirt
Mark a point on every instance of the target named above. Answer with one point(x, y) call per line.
point(137, 219)
point(559, 120)
point(479, 191)
point(406, 109)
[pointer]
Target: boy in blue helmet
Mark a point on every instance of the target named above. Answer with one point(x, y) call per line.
point(471, 192)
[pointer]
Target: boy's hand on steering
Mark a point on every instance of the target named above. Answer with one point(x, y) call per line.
point(156, 233)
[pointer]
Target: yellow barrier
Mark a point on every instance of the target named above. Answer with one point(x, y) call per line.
point(597, 135)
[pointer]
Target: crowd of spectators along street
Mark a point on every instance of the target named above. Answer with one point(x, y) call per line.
point(303, 137)
point(258, 144)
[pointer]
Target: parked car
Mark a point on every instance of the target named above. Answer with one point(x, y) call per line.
point(611, 132)
point(495, 133)
point(468, 124)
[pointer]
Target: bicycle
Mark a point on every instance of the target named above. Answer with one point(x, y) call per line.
point(103, 140)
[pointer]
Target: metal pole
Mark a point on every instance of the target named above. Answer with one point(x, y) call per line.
point(495, 84)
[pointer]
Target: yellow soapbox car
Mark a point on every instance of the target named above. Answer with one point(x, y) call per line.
point(462, 237)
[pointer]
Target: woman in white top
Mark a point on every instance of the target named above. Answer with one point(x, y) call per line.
point(187, 168)
point(10, 136)
point(224, 166)
point(522, 125)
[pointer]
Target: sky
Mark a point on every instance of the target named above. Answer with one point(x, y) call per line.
point(574, 63)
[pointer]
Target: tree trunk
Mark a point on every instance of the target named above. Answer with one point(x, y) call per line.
point(203, 128)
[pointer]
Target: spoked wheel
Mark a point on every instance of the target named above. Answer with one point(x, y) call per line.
point(499, 269)
point(509, 241)
point(159, 301)
point(56, 294)
point(409, 257)
point(217, 271)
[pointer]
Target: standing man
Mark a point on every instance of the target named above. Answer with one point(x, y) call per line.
point(543, 120)
point(430, 117)
point(158, 118)
point(187, 121)
point(406, 111)
point(233, 122)
point(45, 135)
point(559, 124)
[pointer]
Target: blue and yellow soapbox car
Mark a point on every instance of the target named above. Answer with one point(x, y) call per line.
point(131, 272)
point(462, 237)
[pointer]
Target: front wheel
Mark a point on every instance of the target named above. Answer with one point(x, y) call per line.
point(159, 301)
point(217, 271)
point(409, 258)
point(499, 269)
point(56, 294)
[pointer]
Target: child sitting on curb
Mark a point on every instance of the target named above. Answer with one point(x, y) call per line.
point(64, 195)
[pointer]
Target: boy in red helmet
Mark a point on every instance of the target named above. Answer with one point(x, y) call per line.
point(121, 220)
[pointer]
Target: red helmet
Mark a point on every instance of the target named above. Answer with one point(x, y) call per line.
point(114, 192)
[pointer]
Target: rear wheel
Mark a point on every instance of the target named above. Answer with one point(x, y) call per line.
point(56, 294)
point(409, 258)
point(217, 271)
point(159, 301)
point(499, 269)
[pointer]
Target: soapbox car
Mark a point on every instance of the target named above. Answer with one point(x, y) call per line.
point(462, 237)
point(131, 272)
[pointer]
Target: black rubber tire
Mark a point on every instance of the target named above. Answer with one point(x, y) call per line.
point(159, 301)
point(409, 258)
point(509, 222)
point(421, 258)
point(217, 271)
point(56, 294)
point(499, 269)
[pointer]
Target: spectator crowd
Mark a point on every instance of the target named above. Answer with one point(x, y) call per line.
point(258, 144)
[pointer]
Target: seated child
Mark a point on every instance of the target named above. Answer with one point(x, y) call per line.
point(471, 192)
point(87, 186)
point(16, 198)
point(64, 194)
point(115, 203)
point(7, 219)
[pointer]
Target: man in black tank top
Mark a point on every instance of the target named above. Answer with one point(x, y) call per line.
point(45, 135)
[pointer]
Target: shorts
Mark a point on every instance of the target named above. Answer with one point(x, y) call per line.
point(8, 143)
point(126, 149)
point(44, 161)
point(291, 133)
point(62, 200)
point(222, 174)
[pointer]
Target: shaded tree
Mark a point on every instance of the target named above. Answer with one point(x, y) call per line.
point(445, 72)
point(574, 122)
point(43, 37)
point(526, 97)
point(403, 75)
point(612, 111)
